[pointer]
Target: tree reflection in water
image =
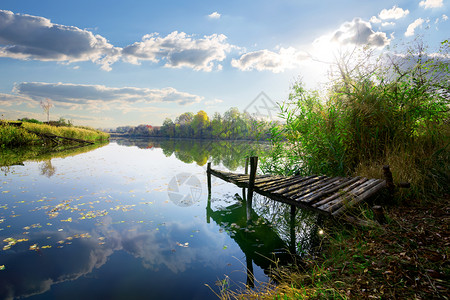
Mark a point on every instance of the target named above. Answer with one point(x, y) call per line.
point(229, 153)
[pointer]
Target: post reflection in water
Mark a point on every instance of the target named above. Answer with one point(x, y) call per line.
point(262, 242)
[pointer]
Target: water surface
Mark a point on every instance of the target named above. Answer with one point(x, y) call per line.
point(131, 220)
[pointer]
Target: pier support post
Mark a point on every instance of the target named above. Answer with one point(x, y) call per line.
point(378, 214)
point(251, 181)
point(251, 184)
point(208, 204)
point(208, 172)
point(250, 276)
point(389, 180)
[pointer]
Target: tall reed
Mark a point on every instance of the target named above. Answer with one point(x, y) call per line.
point(377, 111)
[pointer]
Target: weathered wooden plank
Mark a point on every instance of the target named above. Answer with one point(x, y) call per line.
point(275, 182)
point(311, 188)
point(361, 188)
point(332, 189)
point(292, 186)
point(295, 180)
point(308, 198)
point(339, 193)
point(282, 199)
point(298, 187)
point(369, 192)
point(346, 199)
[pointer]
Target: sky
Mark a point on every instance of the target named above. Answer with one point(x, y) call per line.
point(113, 63)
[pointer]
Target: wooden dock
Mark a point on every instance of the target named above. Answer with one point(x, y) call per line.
point(330, 196)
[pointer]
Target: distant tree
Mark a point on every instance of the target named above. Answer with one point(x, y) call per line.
point(200, 123)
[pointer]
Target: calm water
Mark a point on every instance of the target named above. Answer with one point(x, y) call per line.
point(131, 220)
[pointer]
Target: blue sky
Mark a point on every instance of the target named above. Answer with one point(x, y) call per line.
point(113, 63)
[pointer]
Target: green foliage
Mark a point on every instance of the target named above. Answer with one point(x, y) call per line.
point(21, 134)
point(234, 125)
point(30, 120)
point(12, 136)
point(377, 112)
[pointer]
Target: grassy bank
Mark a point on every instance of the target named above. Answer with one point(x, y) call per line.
point(12, 134)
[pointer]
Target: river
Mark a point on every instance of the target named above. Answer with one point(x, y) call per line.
point(132, 220)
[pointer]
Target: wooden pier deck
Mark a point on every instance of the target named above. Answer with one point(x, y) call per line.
point(330, 196)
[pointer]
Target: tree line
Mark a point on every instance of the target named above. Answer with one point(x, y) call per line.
point(231, 125)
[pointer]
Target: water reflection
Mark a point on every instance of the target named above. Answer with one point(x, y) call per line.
point(17, 156)
point(264, 242)
point(229, 153)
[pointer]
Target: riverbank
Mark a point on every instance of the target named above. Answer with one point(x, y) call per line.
point(16, 134)
point(408, 258)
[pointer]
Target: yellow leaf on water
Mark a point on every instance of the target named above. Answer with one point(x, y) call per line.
point(34, 247)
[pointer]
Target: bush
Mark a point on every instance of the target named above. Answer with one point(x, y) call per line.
point(391, 110)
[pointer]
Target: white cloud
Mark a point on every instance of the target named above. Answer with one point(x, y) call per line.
point(394, 13)
point(215, 101)
point(214, 15)
point(179, 49)
point(32, 37)
point(7, 100)
point(96, 97)
point(431, 3)
point(384, 24)
point(374, 20)
point(412, 27)
point(444, 18)
point(356, 32)
point(260, 60)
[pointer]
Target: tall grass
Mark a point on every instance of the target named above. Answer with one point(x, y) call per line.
point(386, 111)
point(84, 133)
point(11, 136)
point(14, 136)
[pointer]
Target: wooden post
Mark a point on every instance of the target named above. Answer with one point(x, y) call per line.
point(389, 180)
point(208, 172)
point(246, 165)
point(250, 276)
point(251, 181)
point(378, 214)
point(208, 204)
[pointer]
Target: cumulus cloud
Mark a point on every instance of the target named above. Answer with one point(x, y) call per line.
point(356, 32)
point(374, 20)
point(99, 96)
point(214, 15)
point(276, 62)
point(431, 3)
point(394, 13)
point(412, 27)
point(179, 49)
point(32, 37)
